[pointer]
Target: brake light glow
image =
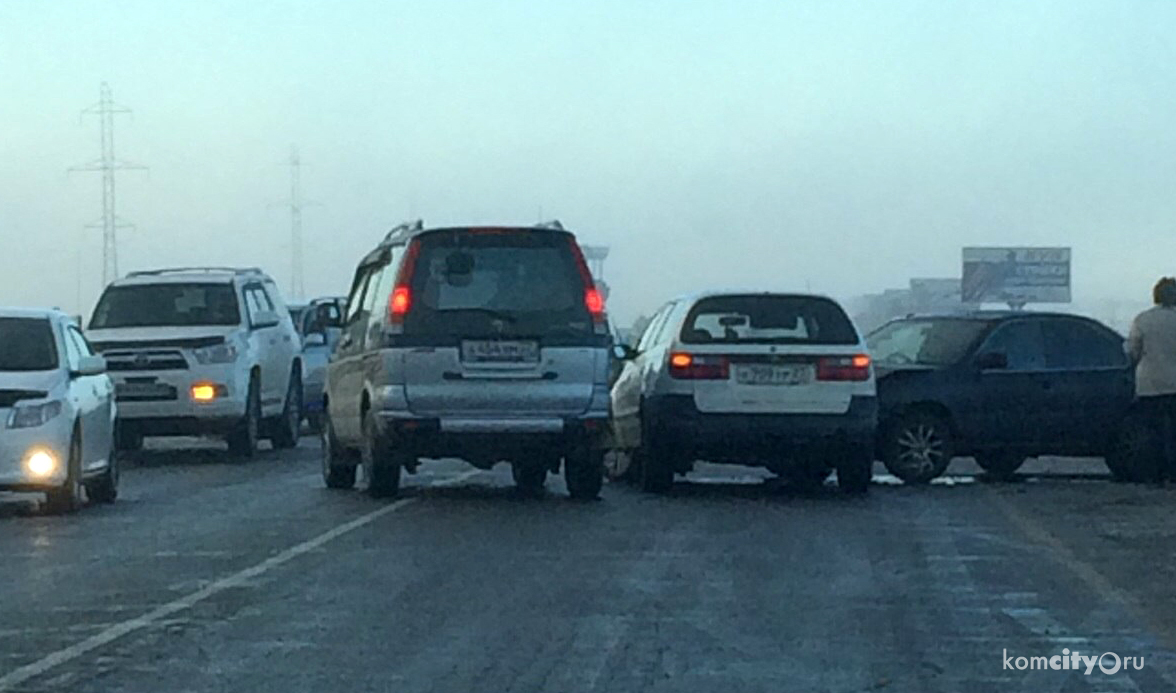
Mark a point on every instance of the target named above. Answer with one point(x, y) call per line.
point(401, 298)
point(685, 366)
point(844, 368)
point(594, 301)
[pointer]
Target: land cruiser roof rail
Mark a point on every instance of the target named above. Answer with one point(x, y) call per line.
point(193, 270)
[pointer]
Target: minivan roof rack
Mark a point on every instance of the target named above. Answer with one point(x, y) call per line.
point(553, 224)
point(193, 270)
point(408, 227)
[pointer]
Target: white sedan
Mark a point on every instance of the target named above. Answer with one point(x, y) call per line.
point(57, 411)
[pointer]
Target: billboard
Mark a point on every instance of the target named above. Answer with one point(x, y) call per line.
point(1016, 275)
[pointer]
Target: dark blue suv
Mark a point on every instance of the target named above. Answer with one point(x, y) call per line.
point(999, 387)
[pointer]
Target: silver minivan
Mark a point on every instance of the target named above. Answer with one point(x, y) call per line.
point(489, 344)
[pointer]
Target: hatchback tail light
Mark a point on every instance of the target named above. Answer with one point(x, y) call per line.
point(695, 367)
point(844, 368)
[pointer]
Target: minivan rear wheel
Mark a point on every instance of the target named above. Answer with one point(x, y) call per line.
point(381, 462)
point(584, 473)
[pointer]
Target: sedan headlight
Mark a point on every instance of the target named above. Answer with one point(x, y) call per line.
point(221, 353)
point(31, 416)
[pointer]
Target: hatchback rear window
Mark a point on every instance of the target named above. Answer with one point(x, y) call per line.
point(27, 344)
point(477, 283)
point(166, 305)
point(768, 319)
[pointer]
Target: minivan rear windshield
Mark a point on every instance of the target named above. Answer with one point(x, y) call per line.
point(768, 319)
point(27, 344)
point(166, 305)
point(498, 283)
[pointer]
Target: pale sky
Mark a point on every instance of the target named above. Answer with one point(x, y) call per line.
point(843, 146)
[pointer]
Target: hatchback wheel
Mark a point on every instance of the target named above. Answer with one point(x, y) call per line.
point(104, 489)
point(243, 440)
point(288, 427)
point(918, 447)
point(68, 498)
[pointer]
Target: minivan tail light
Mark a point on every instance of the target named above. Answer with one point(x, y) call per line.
point(685, 366)
point(400, 301)
point(593, 299)
point(844, 368)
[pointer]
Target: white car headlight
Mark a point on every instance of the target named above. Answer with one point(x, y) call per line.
point(221, 353)
point(31, 416)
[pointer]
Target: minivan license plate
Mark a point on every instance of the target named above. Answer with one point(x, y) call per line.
point(499, 351)
point(773, 375)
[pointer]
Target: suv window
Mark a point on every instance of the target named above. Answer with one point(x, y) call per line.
point(768, 319)
point(28, 345)
point(498, 283)
point(1078, 345)
point(1022, 342)
point(166, 305)
point(257, 299)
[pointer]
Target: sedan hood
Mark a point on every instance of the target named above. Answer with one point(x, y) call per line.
point(35, 380)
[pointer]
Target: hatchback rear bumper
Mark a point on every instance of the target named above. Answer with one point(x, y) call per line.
point(756, 438)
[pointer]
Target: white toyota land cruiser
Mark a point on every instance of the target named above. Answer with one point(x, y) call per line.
point(201, 351)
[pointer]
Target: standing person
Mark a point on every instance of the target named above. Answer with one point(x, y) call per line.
point(1152, 347)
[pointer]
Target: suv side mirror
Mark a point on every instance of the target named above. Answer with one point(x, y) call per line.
point(265, 318)
point(624, 352)
point(90, 365)
point(992, 361)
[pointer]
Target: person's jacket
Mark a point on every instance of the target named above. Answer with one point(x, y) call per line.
point(1152, 347)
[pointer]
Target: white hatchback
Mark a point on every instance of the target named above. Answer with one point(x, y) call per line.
point(781, 381)
point(57, 411)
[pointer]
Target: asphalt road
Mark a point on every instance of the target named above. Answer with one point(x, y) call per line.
point(214, 576)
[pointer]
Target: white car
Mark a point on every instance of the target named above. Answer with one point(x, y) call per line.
point(201, 351)
point(57, 411)
point(781, 381)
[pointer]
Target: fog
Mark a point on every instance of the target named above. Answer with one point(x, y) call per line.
point(841, 147)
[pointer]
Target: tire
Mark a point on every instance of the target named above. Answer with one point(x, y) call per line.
point(339, 465)
point(529, 478)
point(656, 467)
point(918, 447)
point(381, 463)
point(244, 438)
point(68, 498)
point(1000, 465)
point(127, 439)
point(584, 473)
point(807, 478)
point(104, 489)
point(1136, 454)
point(288, 427)
point(855, 469)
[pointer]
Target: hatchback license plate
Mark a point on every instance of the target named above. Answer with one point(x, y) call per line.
point(498, 351)
point(773, 375)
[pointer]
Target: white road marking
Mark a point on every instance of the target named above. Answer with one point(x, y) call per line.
point(47, 663)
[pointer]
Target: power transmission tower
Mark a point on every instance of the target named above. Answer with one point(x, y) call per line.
point(110, 223)
point(296, 204)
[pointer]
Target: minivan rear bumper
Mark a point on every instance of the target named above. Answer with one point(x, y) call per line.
point(755, 438)
point(492, 439)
